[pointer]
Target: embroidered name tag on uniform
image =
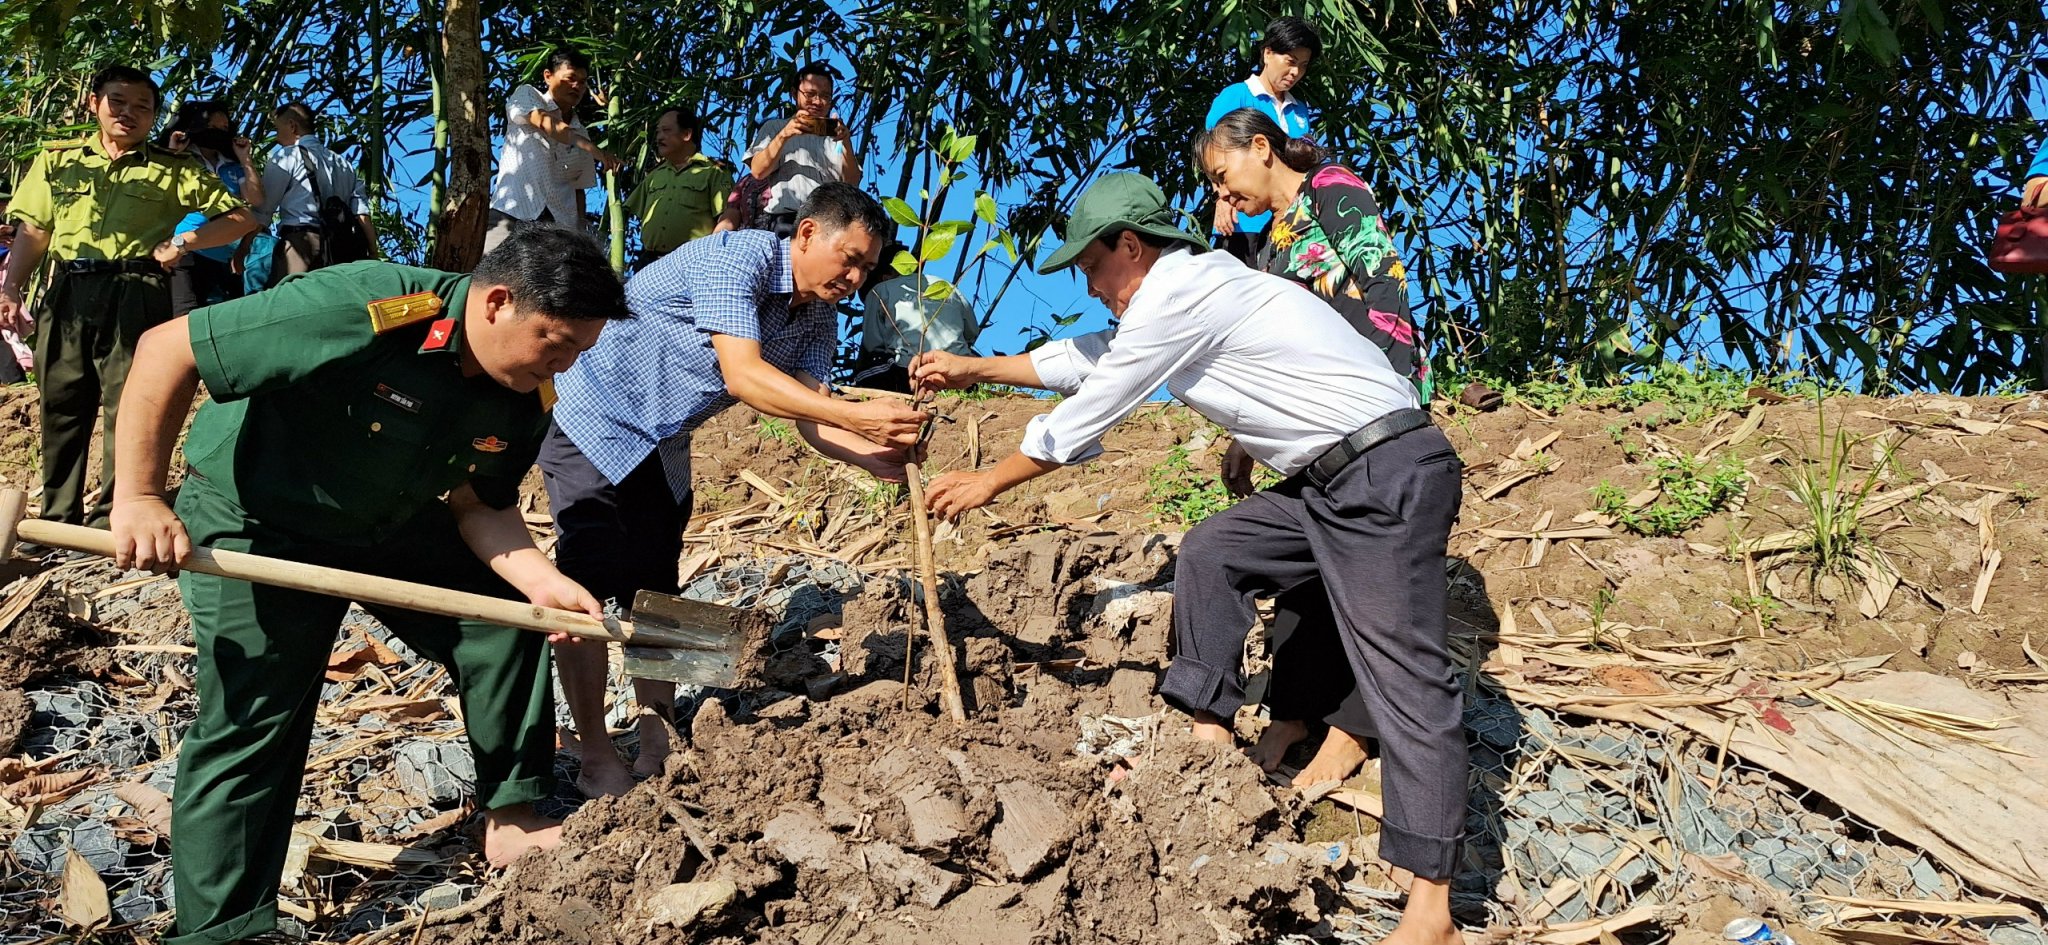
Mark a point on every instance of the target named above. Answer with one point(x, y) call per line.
point(489, 444)
point(439, 335)
point(405, 402)
point(399, 311)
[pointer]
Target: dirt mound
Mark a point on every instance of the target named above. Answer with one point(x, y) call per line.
point(43, 642)
point(875, 824)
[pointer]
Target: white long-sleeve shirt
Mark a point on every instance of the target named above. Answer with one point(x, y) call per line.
point(1257, 354)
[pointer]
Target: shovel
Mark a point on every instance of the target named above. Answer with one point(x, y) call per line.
point(670, 638)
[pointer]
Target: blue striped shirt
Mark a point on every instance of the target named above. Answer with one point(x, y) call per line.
point(655, 375)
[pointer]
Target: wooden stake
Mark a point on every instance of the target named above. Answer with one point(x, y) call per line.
point(934, 619)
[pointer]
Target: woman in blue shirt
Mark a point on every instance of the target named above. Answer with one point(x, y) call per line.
point(206, 130)
point(1285, 52)
point(2036, 192)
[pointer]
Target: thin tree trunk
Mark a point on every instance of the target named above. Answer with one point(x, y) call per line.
point(466, 202)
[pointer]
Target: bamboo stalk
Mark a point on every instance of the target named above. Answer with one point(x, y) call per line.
point(934, 620)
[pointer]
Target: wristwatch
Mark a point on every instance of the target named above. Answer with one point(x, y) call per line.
point(179, 241)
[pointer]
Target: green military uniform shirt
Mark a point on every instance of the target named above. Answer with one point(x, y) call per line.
point(98, 207)
point(677, 206)
point(322, 428)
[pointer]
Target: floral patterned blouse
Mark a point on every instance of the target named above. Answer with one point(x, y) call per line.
point(1331, 240)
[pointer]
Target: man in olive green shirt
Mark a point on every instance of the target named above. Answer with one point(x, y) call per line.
point(105, 209)
point(679, 201)
point(346, 402)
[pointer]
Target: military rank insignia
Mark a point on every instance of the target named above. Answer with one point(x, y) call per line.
point(399, 311)
point(439, 335)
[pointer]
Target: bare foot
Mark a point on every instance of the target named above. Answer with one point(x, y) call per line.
point(509, 832)
point(604, 777)
point(1275, 740)
point(653, 747)
point(1426, 920)
point(1210, 727)
point(1340, 757)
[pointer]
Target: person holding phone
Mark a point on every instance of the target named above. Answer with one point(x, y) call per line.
point(793, 155)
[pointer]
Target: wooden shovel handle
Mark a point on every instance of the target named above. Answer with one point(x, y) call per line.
point(363, 588)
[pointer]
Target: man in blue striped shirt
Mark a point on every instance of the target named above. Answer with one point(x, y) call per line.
point(735, 317)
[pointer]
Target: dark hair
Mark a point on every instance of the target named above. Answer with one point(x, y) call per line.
point(1289, 33)
point(556, 271)
point(1235, 131)
point(565, 56)
point(299, 114)
point(818, 68)
point(686, 120)
point(192, 118)
point(836, 204)
point(113, 74)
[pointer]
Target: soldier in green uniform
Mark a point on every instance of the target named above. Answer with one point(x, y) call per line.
point(679, 201)
point(346, 403)
point(105, 208)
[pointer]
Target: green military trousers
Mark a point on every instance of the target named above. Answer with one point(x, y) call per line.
point(262, 655)
point(85, 340)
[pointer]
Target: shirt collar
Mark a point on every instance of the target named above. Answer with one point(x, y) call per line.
point(146, 149)
point(1258, 86)
point(783, 279)
point(451, 320)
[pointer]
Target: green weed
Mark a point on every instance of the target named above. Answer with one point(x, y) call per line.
point(777, 430)
point(1690, 493)
point(1832, 492)
point(1181, 493)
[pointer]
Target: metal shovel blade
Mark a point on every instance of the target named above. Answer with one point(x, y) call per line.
point(678, 640)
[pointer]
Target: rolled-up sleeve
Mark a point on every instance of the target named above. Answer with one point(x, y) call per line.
point(1118, 377)
point(1063, 364)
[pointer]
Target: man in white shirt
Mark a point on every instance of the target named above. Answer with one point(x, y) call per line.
point(793, 155)
point(540, 174)
point(299, 165)
point(1367, 507)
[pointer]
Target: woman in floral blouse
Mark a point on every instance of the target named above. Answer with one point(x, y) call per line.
point(1327, 236)
point(1327, 233)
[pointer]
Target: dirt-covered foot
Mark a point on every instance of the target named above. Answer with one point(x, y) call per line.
point(653, 747)
point(1340, 757)
point(1275, 740)
point(511, 831)
point(604, 777)
point(1412, 932)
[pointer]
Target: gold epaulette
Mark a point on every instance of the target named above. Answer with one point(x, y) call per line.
point(402, 310)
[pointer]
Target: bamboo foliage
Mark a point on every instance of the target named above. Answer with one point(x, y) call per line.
point(1577, 186)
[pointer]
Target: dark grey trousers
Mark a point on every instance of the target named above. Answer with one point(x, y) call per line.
point(1376, 537)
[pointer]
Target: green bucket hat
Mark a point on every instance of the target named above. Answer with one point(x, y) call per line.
point(1117, 202)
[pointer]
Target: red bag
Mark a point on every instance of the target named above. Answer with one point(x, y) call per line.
point(2020, 246)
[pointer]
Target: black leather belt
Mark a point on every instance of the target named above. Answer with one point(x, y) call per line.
point(291, 228)
point(104, 267)
point(1388, 427)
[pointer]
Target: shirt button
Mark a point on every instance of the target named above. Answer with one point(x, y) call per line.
point(376, 427)
point(472, 467)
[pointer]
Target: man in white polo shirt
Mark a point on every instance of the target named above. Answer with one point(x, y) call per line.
point(793, 155)
point(541, 175)
point(1371, 491)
